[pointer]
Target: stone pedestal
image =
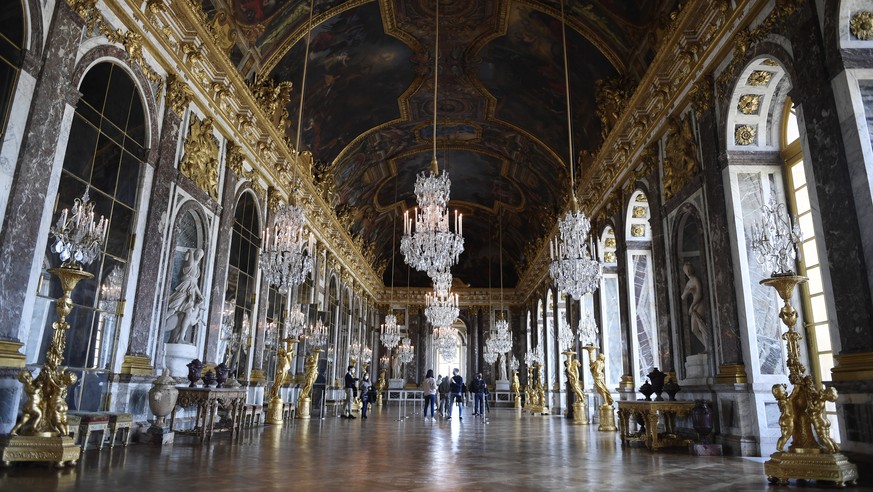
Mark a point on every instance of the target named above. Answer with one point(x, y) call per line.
point(396, 383)
point(607, 419)
point(304, 408)
point(580, 413)
point(160, 436)
point(501, 385)
point(274, 412)
point(518, 402)
point(178, 356)
point(810, 466)
point(696, 369)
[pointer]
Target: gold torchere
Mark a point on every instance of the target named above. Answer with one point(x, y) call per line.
point(41, 433)
point(538, 405)
point(380, 386)
point(304, 400)
point(529, 393)
point(580, 409)
point(813, 454)
point(283, 364)
point(597, 366)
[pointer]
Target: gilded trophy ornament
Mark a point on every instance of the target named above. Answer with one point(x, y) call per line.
point(178, 94)
point(745, 135)
point(680, 159)
point(861, 25)
point(273, 98)
point(759, 78)
point(200, 160)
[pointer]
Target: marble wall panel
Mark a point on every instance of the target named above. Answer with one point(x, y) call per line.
point(646, 330)
point(612, 330)
point(765, 302)
point(866, 87)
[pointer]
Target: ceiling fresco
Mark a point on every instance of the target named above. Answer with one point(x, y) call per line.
point(501, 129)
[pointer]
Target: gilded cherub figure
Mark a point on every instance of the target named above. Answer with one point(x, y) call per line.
point(32, 411)
point(786, 415)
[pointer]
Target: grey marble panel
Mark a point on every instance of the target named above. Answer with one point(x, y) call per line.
point(768, 331)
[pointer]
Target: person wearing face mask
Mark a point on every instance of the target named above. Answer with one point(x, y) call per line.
point(351, 392)
point(365, 394)
point(478, 389)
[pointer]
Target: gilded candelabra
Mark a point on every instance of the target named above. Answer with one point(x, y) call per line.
point(580, 410)
point(284, 357)
point(515, 387)
point(597, 365)
point(538, 405)
point(813, 454)
point(304, 400)
point(380, 386)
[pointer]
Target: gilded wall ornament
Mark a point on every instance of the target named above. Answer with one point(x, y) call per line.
point(611, 97)
point(701, 96)
point(861, 26)
point(178, 94)
point(748, 103)
point(609, 242)
point(200, 161)
point(680, 159)
point(610, 257)
point(235, 159)
point(639, 212)
point(770, 62)
point(638, 230)
point(274, 199)
point(642, 198)
point(759, 78)
point(224, 30)
point(745, 135)
point(273, 98)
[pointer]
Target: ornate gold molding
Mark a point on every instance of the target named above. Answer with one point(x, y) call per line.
point(200, 160)
point(9, 354)
point(680, 159)
point(744, 135)
point(853, 367)
point(731, 374)
point(178, 94)
point(137, 365)
point(749, 103)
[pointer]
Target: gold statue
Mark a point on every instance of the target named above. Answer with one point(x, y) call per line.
point(572, 366)
point(786, 417)
point(311, 375)
point(59, 407)
point(515, 387)
point(820, 421)
point(283, 364)
point(597, 367)
point(32, 417)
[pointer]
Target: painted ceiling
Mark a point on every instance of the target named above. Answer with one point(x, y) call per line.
point(501, 107)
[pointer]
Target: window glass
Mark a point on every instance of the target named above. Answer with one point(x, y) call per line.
point(11, 54)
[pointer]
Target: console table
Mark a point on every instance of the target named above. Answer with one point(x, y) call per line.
point(651, 413)
point(208, 401)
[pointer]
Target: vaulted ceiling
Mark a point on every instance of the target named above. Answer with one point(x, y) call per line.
point(502, 122)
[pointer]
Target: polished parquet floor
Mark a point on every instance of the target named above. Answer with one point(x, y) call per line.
point(509, 452)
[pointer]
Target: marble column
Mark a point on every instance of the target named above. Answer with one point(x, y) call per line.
point(624, 301)
point(137, 360)
point(660, 274)
point(219, 267)
point(258, 368)
point(24, 234)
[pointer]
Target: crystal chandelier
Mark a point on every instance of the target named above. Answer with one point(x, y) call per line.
point(317, 336)
point(390, 332)
point(427, 243)
point(442, 281)
point(775, 239)
point(572, 269)
point(446, 342)
point(406, 351)
point(288, 249)
point(565, 334)
point(295, 323)
point(490, 353)
point(441, 310)
point(503, 337)
point(78, 236)
point(588, 329)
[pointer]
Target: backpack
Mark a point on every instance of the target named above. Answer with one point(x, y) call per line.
point(371, 395)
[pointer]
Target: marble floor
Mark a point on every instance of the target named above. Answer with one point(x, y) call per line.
point(509, 452)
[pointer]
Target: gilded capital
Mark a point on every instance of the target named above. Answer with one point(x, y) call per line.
point(178, 94)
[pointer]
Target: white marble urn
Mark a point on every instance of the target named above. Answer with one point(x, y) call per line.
point(162, 398)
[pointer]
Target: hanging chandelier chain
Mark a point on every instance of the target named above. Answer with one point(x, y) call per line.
point(436, 51)
point(567, 86)
point(303, 84)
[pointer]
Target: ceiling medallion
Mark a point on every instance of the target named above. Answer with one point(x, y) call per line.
point(759, 78)
point(745, 135)
point(861, 26)
point(748, 103)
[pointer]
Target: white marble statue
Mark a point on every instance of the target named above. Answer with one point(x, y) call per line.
point(501, 368)
point(395, 365)
point(694, 289)
point(186, 301)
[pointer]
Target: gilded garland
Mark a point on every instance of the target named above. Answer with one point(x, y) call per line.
point(200, 161)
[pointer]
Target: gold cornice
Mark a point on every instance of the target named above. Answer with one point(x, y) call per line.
point(853, 367)
point(9, 354)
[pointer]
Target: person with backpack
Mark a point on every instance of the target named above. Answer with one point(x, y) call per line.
point(443, 390)
point(456, 388)
point(430, 391)
point(478, 387)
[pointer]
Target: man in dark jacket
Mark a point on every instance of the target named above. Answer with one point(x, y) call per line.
point(443, 390)
point(351, 392)
point(478, 388)
point(456, 387)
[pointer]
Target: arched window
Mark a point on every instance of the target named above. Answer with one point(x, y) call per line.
point(610, 312)
point(242, 271)
point(104, 156)
point(638, 238)
point(11, 54)
point(812, 292)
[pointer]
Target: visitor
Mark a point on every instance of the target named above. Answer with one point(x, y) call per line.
point(351, 392)
point(456, 389)
point(444, 389)
point(365, 394)
point(430, 391)
point(479, 389)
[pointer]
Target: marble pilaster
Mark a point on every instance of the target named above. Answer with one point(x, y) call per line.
point(659, 272)
point(219, 276)
point(36, 177)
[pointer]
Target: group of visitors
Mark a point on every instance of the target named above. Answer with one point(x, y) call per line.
point(450, 390)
